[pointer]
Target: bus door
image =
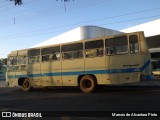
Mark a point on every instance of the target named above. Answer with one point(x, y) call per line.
point(34, 67)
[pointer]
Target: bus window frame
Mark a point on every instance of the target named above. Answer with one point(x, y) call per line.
point(44, 58)
point(34, 56)
point(112, 49)
point(55, 57)
point(24, 58)
point(53, 52)
point(71, 55)
point(93, 50)
point(34, 59)
point(138, 39)
point(13, 66)
point(69, 52)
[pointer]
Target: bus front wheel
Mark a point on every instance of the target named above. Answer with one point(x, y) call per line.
point(88, 84)
point(26, 86)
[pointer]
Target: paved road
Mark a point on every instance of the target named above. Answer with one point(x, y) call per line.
point(143, 96)
point(2, 83)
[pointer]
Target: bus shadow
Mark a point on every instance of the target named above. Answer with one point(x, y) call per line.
point(122, 88)
point(57, 89)
point(102, 89)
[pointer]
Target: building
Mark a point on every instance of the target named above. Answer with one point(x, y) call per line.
point(151, 30)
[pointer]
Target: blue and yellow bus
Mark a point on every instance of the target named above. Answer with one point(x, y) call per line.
point(116, 59)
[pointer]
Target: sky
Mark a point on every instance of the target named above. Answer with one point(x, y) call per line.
point(36, 21)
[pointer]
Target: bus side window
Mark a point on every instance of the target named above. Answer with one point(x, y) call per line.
point(21, 60)
point(133, 43)
point(34, 55)
point(67, 55)
point(45, 52)
point(12, 61)
point(94, 48)
point(13, 64)
point(55, 53)
point(109, 50)
point(118, 45)
point(56, 56)
point(100, 52)
point(72, 51)
point(45, 58)
point(34, 59)
point(50, 53)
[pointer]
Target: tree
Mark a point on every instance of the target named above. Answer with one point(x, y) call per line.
point(19, 2)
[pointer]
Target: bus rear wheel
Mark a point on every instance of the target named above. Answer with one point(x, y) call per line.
point(88, 84)
point(26, 86)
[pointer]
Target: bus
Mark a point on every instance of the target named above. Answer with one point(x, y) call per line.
point(155, 60)
point(117, 59)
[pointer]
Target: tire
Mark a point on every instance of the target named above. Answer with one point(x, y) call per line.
point(26, 86)
point(88, 84)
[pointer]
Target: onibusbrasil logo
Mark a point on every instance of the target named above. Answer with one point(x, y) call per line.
point(21, 114)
